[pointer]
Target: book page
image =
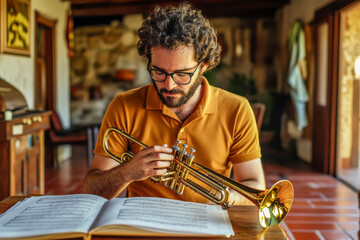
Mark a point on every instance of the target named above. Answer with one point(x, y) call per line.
point(14, 206)
point(51, 214)
point(166, 216)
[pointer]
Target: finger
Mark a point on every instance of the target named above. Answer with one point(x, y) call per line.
point(159, 164)
point(159, 157)
point(163, 148)
point(156, 149)
point(157, 172)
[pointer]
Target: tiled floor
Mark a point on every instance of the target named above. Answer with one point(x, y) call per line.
point(323, 207)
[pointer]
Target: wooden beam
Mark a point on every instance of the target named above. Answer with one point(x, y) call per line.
point(211, 8)
point(254, 2)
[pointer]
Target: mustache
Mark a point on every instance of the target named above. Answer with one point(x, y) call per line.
point(163, 90)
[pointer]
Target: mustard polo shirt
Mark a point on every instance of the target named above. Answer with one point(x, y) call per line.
point(222, 130)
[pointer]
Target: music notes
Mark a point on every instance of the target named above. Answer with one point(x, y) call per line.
point(52, 214)
point(166, 215)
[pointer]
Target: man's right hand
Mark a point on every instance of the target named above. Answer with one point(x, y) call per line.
point(149, 162)
point(107, 178)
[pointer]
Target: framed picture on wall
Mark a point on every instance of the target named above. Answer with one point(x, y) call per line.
point(15, 26)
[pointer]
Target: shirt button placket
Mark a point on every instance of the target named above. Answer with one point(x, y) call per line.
point(182, 134)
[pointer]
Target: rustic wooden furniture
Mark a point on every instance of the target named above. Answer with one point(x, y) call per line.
point(259, 111)
point(92, 132)
point(244, 220)
point(57, 136)
point(22, 154)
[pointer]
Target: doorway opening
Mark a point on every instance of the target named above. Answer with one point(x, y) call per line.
point(45, 95)
point(348, 117)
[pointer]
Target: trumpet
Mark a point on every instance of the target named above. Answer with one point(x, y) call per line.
point(273, 203)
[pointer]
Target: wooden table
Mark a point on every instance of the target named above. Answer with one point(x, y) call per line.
point(244, 220)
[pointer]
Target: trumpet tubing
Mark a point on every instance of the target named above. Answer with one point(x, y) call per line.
point(274, 203)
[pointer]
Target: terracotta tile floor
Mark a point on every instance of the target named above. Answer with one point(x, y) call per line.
point(323, 207)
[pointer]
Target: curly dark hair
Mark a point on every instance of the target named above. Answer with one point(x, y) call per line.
point(171, 27)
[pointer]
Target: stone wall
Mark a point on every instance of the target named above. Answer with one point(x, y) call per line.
point(106, 63)
point(349, 51)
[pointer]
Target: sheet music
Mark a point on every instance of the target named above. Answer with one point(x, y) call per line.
point(14, 206)
point(166, 215)
point(46, 215)
point(49, 214)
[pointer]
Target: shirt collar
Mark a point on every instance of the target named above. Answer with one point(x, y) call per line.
point(208, 104)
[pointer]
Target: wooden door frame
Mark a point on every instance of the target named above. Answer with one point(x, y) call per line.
point(321, 130)
point(50, 59)
point(325, 129)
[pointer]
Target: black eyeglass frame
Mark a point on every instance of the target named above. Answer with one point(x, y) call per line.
point(171, 74)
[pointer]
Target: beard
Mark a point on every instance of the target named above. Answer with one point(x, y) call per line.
point(171, 102)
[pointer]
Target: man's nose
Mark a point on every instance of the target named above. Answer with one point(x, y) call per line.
point(169, 83)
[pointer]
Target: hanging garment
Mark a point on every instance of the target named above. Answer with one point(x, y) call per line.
point(298, 92)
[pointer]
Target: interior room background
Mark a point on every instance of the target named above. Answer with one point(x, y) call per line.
point(105, 62)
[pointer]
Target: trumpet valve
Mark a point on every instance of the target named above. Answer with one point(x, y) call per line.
point(184, 173)
point(191, 156)
point(176, 150)
point(184, 149)
point(171, 179)
point(177, 144)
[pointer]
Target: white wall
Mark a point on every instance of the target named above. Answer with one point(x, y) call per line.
point(19, 70)
point(300, 9)
point(297, 9)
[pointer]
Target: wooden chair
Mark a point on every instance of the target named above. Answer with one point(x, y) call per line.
point(259, 111)
point(57, 136)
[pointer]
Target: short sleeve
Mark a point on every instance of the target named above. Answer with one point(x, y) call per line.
point(245, 146)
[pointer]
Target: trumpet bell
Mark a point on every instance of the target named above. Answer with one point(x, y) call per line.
point(276, 203)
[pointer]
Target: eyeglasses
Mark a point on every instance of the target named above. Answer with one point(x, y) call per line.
point(181, 78)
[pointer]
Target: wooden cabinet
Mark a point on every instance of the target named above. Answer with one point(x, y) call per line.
point(22, 154)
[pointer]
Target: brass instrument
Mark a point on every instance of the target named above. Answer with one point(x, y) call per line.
point(274, 203)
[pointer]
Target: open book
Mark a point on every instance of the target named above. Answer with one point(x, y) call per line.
point(84, 215)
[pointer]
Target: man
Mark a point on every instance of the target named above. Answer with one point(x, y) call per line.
point(180, 46)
